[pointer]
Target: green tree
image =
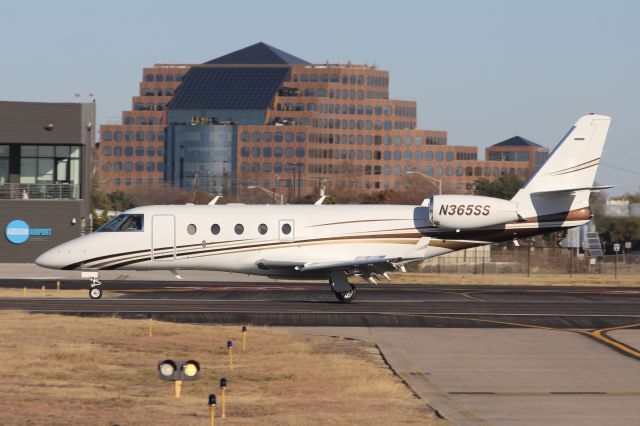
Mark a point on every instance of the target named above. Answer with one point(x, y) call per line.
point(99, 220)
point(504, 187)
point(618, 229)
point(120, 201)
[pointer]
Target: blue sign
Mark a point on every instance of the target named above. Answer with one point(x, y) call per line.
point(17, 231)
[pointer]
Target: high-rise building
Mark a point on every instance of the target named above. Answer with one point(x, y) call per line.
point(132, 153)
point(261, 117)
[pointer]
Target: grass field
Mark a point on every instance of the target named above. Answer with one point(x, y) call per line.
point(48, 292)
point(61, 370)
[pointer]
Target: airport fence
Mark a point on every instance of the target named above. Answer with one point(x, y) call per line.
point(531, 260)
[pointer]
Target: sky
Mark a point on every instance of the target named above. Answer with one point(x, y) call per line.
point(482, 70)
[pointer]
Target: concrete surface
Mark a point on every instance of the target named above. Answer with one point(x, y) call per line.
point(33, 271)
point(510, 376)
point(630, 338)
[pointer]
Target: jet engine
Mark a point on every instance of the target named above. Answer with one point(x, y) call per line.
point(470, 211)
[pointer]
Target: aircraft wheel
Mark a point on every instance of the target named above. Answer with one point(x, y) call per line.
point(95, 293)
point(346, 296)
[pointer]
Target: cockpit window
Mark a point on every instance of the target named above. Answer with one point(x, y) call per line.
point(124, 223)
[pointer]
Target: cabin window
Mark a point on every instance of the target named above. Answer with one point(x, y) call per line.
point(124, 223)
point(215, 229)
point(262, 229)
point(239, 229)
point(286, 229)
point(191, 229)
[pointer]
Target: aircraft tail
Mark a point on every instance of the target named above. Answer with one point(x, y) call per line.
point(565, 180)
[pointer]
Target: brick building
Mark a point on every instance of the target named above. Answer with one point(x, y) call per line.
point(262, 117)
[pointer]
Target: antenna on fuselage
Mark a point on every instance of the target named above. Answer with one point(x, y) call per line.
point(215, 200)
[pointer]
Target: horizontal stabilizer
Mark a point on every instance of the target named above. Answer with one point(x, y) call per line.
point(573, 190)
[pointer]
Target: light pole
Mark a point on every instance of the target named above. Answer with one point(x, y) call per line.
point(429, 178)
point(276, 196)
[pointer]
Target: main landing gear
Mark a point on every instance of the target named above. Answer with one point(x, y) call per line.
point(346, 296)
point(342, 289)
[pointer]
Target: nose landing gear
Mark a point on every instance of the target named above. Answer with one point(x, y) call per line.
point(94, 291)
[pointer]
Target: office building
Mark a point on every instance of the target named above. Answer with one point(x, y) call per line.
point(46, 152)
point(131, 153)
point(263, 117)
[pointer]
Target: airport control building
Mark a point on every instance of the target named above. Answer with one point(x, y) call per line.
point(46, 152)
point(262, 117)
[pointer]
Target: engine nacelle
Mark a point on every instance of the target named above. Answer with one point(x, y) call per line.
point(470, 211)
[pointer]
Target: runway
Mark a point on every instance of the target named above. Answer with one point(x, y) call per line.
point(281, 303)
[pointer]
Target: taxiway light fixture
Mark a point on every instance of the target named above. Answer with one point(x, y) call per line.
point(244, 337)
point(230, 352)
point(212, 406)
point(223, 387)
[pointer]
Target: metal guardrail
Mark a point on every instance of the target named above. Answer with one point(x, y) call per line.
point(39, 191)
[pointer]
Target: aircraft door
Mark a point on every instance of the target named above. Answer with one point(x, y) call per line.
point(163, 237)
point(286, 230)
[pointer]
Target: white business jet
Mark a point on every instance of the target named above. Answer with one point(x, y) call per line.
point(337, 241)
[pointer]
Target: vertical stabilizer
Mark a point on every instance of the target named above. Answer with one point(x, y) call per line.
point(565, 179)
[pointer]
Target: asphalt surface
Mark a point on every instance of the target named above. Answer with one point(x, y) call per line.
point(281, 303)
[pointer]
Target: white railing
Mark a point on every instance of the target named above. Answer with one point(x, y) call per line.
point(39, 191)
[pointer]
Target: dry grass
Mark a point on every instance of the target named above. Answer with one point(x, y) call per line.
point(50, 292)
point(517, 279)
point(69, 370)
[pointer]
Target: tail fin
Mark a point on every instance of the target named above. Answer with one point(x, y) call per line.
point(565, 180)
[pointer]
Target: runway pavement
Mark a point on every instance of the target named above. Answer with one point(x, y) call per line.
point(308, 304)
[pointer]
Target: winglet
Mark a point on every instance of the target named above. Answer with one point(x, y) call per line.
point(320, 200)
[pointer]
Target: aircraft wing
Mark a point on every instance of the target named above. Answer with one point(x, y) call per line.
point(323, 265)
point(369, 267)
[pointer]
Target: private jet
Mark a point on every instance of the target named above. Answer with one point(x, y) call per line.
point(335, 242)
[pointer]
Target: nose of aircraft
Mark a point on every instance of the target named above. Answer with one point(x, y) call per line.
point(51, 259)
